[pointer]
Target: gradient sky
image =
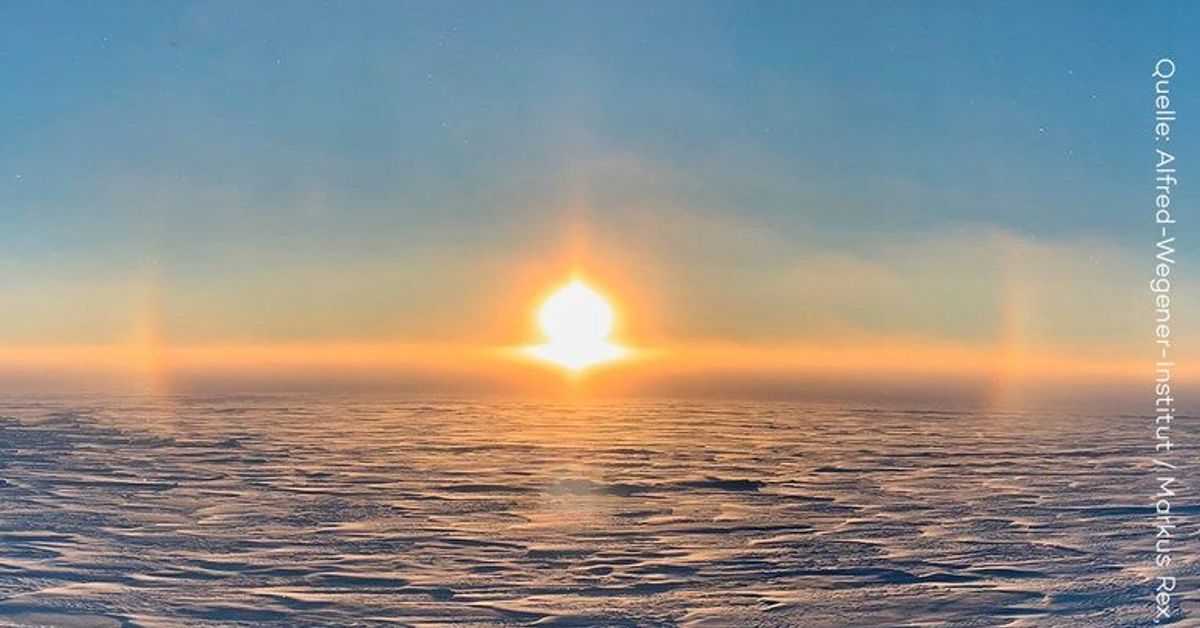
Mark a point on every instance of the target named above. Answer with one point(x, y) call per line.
point(766, 174)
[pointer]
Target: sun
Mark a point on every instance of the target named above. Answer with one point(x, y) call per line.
point(577, 321)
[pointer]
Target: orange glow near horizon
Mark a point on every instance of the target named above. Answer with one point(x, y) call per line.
point(697, 367)
point(577, 321)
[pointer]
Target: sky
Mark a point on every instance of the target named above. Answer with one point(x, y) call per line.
point(803, 185)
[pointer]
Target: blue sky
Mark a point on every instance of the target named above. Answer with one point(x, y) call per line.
point(377, 170)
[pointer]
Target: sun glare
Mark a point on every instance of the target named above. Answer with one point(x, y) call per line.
point(577, 321)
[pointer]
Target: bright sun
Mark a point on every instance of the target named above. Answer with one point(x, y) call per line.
point(577, 321)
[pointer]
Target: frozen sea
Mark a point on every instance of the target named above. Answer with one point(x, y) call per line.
point(331, 511)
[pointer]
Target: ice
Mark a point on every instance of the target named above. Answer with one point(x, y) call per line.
point(331, 511)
